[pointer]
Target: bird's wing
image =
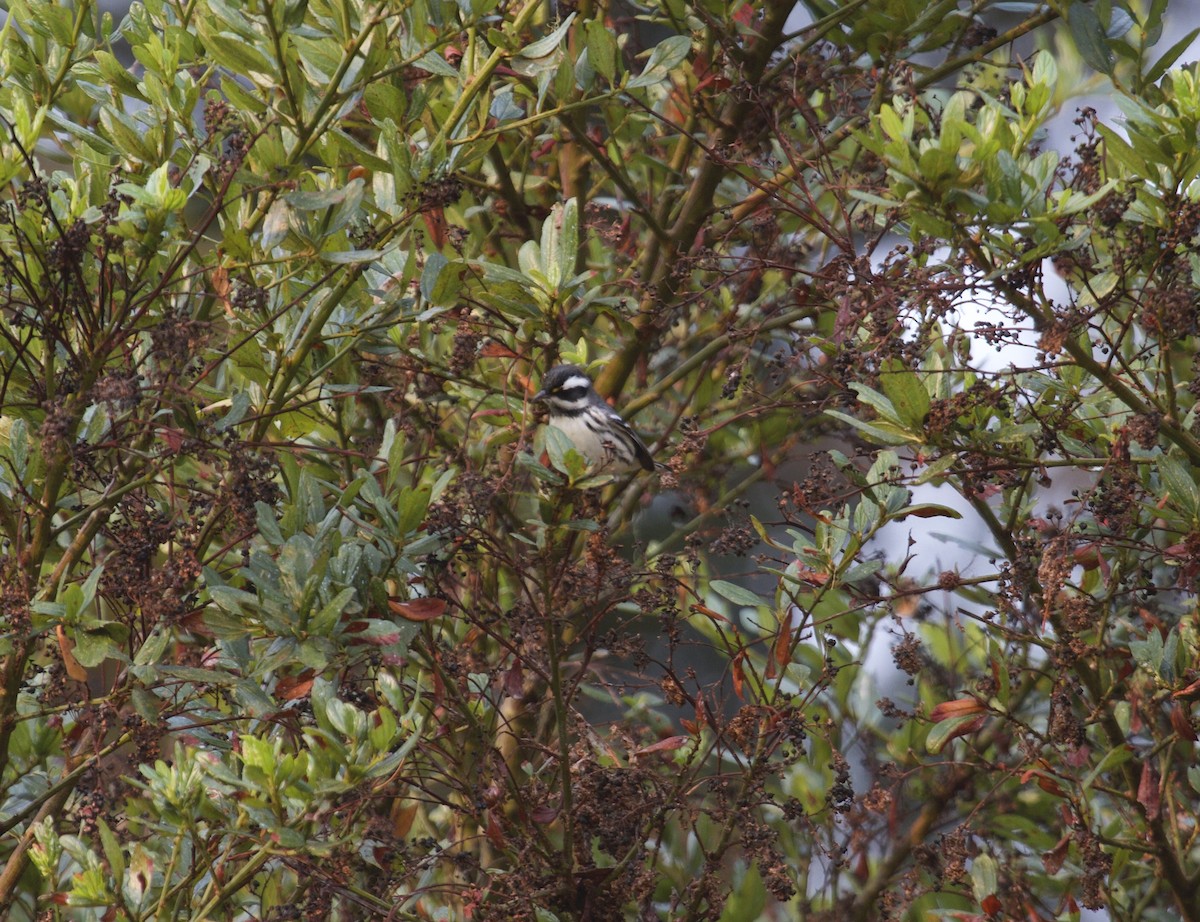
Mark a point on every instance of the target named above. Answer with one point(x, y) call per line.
point(639, 447)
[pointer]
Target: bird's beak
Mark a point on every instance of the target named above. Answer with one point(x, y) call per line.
point(540, 396)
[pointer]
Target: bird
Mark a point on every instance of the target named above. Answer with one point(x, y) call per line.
point(595, 429)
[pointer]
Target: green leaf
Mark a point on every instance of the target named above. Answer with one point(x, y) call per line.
point(531, 465)
point(258, 753)
point(893, 126)
point(97, 641)
point(1148, 652)
point(350, 257)
point(1112, 759)
point(1182, 492)
point(906, 393)
point(735, 593)
point(1090, 37)
point(602, 49)
point(882, 433)
point(549, 44)
point(667, 54)
point(434, 264)
point(563, 455)
point(434, 63)
point(315, 200)
point(1120, 150)
point(153, 648)
point(14, 437)
point(232, 600)
point(324, 620)
point(748, 899)
point(984, 877)
point(238, 405)
point(113, 853)
point(1170, 652)
point(1170, 56)
point(937, 468)
point(944, 731)
point(93, 139)
point(235, 55)
point(1120, 22)
point(560, 243)
point(89, 587)
point(999, 663)
point(412, 505)
point(928, 511)
point(276, 224)
point(268, 526)
point(871, 198)
point(877, 402)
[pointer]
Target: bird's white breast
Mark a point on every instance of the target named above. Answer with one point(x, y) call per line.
point(599, 451)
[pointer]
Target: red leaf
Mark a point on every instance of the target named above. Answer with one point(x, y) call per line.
point(514, 681)
point(72, 665)
point(220, 285)
point(173, 438)
point(1078, 757)
point(962, 726)
point(544, 814)
point(193, 622)
point(1050, 786)
point(1088, 556)
point(670, 744)
point(1053, 859)
point(739, 678)
point(435, 223)
point(1190, 691)
point(961, 707)
point(1147, 794)
point(809, 575)
point(783, 643)
point(924, 512)
point(289, 687)
point(494, 833)
point(494, 350)
point(418, 609)
point(378, 640)
point(990, 904)
point(402, 819)
point(704, 610)
point(1182, 724)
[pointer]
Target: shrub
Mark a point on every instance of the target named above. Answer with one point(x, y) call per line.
point(306, 616)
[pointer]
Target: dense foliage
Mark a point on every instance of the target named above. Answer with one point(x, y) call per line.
point(304, 615)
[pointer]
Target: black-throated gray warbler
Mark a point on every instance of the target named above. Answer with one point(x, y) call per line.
point(595, 429)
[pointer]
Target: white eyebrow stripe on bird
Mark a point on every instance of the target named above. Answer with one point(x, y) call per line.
point(575, 381)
